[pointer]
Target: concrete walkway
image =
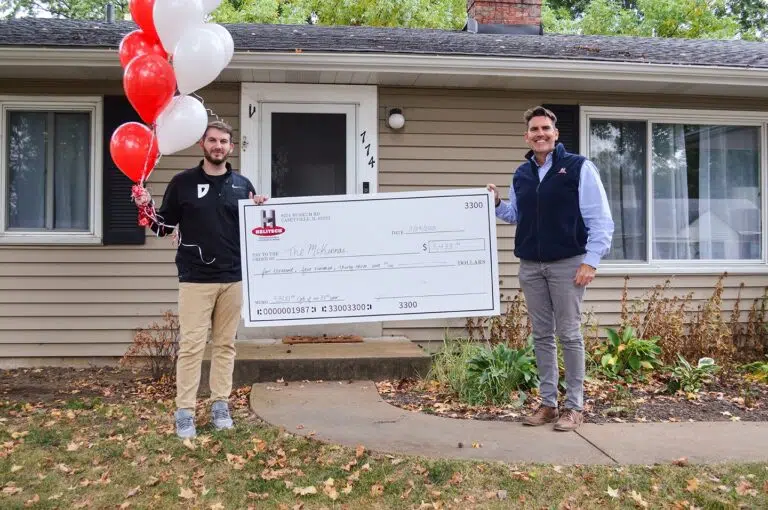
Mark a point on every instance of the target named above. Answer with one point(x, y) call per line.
point(353, 413)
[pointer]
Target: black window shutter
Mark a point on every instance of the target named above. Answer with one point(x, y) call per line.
point(120, 214)
point(567, 124)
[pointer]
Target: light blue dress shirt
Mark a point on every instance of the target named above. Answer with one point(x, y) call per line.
point(593, 203)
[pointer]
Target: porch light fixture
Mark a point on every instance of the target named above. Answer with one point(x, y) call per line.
point(396, 119)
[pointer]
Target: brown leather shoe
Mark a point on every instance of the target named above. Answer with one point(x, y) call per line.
point(542, 416)
point(569, 420)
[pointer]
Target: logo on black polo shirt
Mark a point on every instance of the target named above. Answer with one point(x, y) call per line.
point(202, 190)
point(269, 225)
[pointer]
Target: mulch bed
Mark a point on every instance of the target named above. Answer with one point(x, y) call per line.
point(50, 384)
point(723, 400)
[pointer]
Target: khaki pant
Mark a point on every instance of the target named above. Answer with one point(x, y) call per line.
point(202, 306)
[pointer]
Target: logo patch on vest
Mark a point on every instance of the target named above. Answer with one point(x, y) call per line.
point(562, 171)
point(202, 190)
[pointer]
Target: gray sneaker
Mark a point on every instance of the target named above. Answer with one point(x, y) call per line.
point(221, 418)
point(185, 423)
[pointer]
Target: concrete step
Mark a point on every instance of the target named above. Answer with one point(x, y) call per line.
point(371, 359)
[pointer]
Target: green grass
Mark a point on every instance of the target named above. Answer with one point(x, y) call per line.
point(105, 455)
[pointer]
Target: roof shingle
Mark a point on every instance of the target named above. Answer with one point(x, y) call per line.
point(36, 32)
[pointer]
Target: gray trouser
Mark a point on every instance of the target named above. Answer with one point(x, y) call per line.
point(554, 305)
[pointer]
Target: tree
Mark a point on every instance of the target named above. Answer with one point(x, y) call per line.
point(441, 14)
point(716, 19)
point(68, 9)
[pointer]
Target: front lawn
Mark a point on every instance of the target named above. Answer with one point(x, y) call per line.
point(103, 438)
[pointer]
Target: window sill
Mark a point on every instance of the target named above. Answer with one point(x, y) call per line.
point(705, 268)
point(58, 239)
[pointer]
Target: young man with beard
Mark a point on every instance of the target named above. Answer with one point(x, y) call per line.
point(564, 228)
point(203, 202)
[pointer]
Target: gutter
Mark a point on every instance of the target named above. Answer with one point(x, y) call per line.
point(561, 69)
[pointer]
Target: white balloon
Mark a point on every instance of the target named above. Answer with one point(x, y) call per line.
point(226, 39)
point(210, 5)
point(181, 124)
point(173, 18)
point(198, 59)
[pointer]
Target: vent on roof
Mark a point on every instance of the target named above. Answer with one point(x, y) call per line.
point(504, 17)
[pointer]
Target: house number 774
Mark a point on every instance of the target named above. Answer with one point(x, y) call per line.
point(367, 147)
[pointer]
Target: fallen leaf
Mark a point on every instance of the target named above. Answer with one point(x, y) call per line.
point(34, 500)
point(186, 493)
point(11, 489)
point(15, 468)
point(638, 499)
point(765, 487)
point(614, 493)
point(744, 488)
point(693, 484)
point(188, 443)
point(304, 491)
point(133, 491)
point(456, 479)
point(377, 489)
point(682, 462)
point(73, 446)
point(216, 506)
point(359, 451)
point(125, 505)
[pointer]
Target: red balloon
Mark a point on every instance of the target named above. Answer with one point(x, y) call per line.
point(141, 12)
point(136, 44)
point(149, 83)
point(134, 150)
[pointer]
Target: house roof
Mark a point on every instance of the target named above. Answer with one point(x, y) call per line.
point(58, 33)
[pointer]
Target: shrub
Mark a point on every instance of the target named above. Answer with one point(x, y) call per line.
point(689, 378)
point(512, 327)
point(626, 356)
point(449, 364)
point(756, 371)
point(156, 346)
point(697, 332)
point(493, 375)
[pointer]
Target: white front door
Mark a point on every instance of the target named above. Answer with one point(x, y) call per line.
point(308, 140)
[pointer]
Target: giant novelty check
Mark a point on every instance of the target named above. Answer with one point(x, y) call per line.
point(361, 258)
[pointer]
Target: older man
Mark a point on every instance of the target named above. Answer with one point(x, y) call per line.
point(564, 228)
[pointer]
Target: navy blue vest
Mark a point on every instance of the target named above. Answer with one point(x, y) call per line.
point(549, 222)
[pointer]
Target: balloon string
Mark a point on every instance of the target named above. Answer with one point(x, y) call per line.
point(147, 213)
point(203, 103)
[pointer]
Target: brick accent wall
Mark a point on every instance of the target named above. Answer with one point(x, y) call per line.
point(505, 12)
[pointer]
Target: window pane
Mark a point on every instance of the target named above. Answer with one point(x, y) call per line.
point(309, 154)
point(618, 149)
point(26, 169)
point(72, 137)
point(706, 200)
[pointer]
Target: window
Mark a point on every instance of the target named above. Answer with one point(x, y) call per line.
point(49, 170)
point(685, 187)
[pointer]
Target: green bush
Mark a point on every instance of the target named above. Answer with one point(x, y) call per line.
point(493, 375)
point(756, 371)
point(624, 356)
point(449, 365)
point(689, 378)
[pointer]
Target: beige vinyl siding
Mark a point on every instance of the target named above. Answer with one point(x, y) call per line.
point(87, 300)
point(468, 138)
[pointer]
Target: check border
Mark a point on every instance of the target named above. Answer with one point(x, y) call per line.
point(328, 319)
